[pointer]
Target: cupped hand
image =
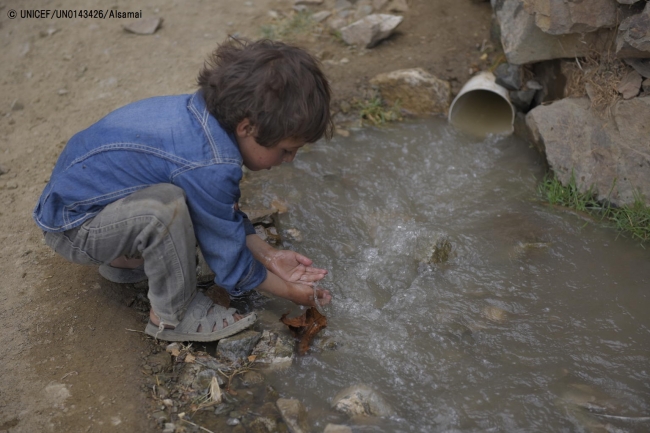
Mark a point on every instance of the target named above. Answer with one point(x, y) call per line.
point(303, 294)
point(294, 268)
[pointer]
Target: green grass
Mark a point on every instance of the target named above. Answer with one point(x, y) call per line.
point(294, 24)
point(633, 220)
point(376, 112)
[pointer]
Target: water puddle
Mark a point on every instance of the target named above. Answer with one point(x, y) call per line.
point(534, 321)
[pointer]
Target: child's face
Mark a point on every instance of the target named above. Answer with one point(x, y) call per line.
point(257, 157)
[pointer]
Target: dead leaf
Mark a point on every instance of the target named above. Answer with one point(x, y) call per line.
point(218, 295)
point(189, 358)
point(306, 327)
point(252, 358)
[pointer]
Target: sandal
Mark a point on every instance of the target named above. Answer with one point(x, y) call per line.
point(198, 314)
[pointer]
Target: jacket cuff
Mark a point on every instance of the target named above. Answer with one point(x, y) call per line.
point(255, 276)
point(248, 226)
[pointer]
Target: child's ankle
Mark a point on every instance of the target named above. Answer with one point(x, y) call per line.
point(153, 317)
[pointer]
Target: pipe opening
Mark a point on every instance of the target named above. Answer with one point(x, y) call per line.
point(481, 112)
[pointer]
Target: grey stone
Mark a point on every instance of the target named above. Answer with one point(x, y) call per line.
point(169, 427)
point(274, 350)
point(160, 416)
point(203, 379)
point(238, 346)
point(630, 85)
point(336, 428)
point(642, 66)
point(417, 91)
point(561, 17)
point(260, 215)
point(509, 76)
point(232, 421)
point(533, 85)
point(144, 26)
point(17, 105)
point(627, 2)
point(599, 154)
point(633, 39)
point(369, 31)
point(522, 99)
point(293, 414)
point(524, 42)
point(210, 362)
point(363, 11)
point(321, 16)
point(337, 23)
point(3, 170)
point(342, 4)
point(223, 408)
point(645, 86)
point(361, 400)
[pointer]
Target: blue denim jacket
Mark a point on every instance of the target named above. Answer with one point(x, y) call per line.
point(169, 139)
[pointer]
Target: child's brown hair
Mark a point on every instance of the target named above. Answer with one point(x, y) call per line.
point(279, 88)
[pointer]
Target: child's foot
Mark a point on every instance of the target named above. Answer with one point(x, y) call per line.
point(153, 318)
point(203, 321)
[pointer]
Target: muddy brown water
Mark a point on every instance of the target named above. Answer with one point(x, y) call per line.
point(539, 321)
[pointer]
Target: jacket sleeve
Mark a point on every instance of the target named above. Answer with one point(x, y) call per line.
point(212, 193)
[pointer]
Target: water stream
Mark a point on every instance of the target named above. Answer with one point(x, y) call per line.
point(538, 321)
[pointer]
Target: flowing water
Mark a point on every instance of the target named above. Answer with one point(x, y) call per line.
point(538, 321)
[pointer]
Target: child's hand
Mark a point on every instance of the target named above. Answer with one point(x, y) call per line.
point(294, 268)
point(301, 294)
point(288, 265)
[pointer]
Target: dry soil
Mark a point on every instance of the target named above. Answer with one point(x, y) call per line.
point(68, 361)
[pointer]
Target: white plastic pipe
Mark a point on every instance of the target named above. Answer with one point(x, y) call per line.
point(482, 107)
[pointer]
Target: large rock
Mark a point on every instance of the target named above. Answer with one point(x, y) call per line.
point(601, 153)
point(561, 17)
point(274, 350)
point(293, 414)
point(524, 42)
point(370, 30)
point(633, 38)
point(416, 91)
point(361, 400)
point(239, 345)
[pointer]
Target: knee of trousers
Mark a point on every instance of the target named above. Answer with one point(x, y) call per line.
point(165, 202)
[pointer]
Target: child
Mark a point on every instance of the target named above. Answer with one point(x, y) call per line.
point(136, 190)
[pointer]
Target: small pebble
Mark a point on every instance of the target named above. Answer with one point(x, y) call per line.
point(232, 421)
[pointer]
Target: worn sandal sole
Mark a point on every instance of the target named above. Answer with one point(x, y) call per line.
point(173, 335)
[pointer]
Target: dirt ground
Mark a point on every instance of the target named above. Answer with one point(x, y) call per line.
point(68, 361)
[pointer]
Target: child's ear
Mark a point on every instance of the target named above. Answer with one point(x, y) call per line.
point(244, 128)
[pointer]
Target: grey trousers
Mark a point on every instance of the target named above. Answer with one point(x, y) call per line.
point(153, 223)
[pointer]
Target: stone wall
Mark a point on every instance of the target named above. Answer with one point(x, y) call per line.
point(579, 74)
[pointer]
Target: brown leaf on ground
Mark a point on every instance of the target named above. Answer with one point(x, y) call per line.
point(306, 327)
point(218, 295)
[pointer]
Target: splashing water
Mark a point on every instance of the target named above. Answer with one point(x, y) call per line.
point(536, 321)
